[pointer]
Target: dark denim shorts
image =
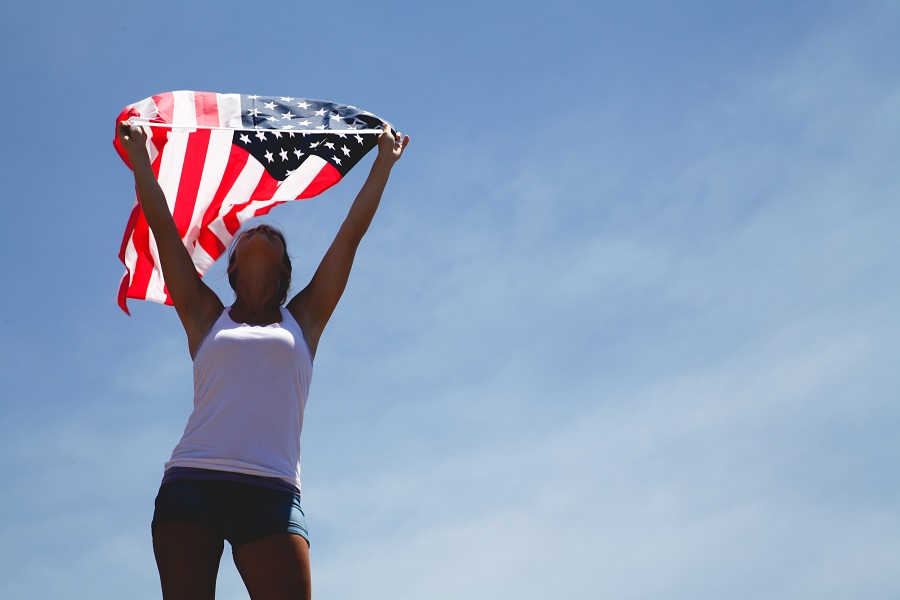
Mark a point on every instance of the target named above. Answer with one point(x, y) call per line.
point(235, 511)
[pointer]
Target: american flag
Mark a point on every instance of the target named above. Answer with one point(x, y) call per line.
point(224, 158)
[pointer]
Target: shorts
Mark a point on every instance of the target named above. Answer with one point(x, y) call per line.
point(235, 511)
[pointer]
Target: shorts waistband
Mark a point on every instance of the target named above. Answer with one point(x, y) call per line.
point(195, 474)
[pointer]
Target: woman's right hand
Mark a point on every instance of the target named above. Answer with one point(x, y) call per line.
point(133, 139)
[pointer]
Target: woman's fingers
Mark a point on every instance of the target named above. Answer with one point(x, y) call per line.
point(127, 133)
point(392, 142)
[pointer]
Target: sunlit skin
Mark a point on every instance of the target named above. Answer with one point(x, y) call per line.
point(187, 555)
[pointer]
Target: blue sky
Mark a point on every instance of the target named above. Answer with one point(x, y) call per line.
point(625, 325)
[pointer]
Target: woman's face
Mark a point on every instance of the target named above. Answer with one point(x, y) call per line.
point(259, 250)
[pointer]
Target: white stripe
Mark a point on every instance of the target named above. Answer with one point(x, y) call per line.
point(156, 285)
point(202, 260)
point(146, 108)
point(300, 179)
point(229, 110)
point(171, 165)
point(151, 148)
point(184, 111)
point(130, 255)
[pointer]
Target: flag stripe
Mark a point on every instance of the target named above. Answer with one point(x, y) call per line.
point(143, 264)
point(300, 179)
point(326, 178)
point(189, 182)
point(165, 105)
point(206, 107)
point(229, 110)
point(184, 111)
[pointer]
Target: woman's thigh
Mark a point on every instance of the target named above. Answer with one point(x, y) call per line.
point(275, 567)
point(187, 556)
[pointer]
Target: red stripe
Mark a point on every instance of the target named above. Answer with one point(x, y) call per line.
point(165, 107)
point(326, 178)
point(123, 289)
point(189, 183)
point(210, 243)
point(159, 136)
point(207, 108)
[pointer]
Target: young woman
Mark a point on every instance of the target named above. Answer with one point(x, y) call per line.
point(235, 473)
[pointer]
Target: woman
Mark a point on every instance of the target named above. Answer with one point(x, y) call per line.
point(235, 473)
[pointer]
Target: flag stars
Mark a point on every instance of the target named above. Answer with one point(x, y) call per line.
point(261, 135)
point(277, 134)
point(345, 150)
point(358, 138)
point(329, 145)
point(283, 154)
point(336, 159)
point(245, 138)
point(283, 99)
point(321, 112)
point(254, 112)
point(270, 105)
point(288, 115)
point(303, 105)
point(298, 153)
point(269, 156)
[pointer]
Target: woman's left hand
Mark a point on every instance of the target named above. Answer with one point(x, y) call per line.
point(391, 146)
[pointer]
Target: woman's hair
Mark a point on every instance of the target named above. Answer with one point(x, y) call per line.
point(285, 283)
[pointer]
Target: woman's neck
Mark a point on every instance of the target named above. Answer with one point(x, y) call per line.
point(262, 312)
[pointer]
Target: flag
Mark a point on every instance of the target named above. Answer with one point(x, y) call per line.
point(224, 158)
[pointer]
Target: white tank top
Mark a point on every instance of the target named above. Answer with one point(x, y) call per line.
point(250, 388)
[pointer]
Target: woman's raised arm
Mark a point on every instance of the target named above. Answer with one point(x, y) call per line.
point(313, 306)
point(197, 305)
